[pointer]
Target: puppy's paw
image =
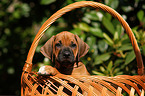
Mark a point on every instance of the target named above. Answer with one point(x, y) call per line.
point(47, 70)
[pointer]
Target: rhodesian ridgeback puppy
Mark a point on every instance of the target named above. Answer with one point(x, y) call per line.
point(65, 50)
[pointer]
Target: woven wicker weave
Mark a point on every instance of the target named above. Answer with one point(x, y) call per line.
point(32, 84)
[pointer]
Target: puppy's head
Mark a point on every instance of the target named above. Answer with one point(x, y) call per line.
point(65, 48)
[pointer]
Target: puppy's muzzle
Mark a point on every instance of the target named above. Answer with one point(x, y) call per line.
point(66, 56)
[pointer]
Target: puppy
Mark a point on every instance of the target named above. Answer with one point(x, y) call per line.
point(65, 50)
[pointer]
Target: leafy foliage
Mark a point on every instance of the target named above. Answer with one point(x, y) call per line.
point(110, 51)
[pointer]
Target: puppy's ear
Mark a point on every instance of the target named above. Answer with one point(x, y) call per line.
point(83, 47)
point(47, 49)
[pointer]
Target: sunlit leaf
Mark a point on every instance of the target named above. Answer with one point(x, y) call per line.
point(119, 30)
point(108, 39)
point(100, 16)
point(96, 25)
point(102, 68)
point(84, 26)
point(116, 36)
point(92, 15)
point(87, 20)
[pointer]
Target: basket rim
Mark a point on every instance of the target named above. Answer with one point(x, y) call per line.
point(28, 65)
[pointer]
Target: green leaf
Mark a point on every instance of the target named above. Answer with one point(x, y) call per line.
point(94, 50)
point(118, 61)
point(108, 39)
point(87, 20)
point(108, 16)
point(91, 41)
point(92, 15)
point(114, 4)
point(143, 22)
point(115, 22)
point(76, 31)
point(140, 15)
point(83, 37)
point(16, 14)
point(50, 31)
point(102, 68)
point(69, 1)
point(125, 47)
point(108, 25)
point(116, 36)
point(107, 1)
point(116, 70)
point(130, 57)
point(100, 16)
point(84, 27)
point(143, 49)
point(119, 29)
point(96, 31)
point(109, 67)
point(119, 73)
point(47, 2)
point(101, 58)
point(96, 25)
point(127, 8)
point(79, 0)
point(98, 73)
point(102, 45)
point(125, 39)
point(136, 34)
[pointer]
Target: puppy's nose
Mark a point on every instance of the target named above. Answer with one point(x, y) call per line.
point(66, 54)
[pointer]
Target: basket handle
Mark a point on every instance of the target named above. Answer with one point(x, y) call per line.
point(28, 65)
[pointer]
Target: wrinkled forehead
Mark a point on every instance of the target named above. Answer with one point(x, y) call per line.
point(65, 38)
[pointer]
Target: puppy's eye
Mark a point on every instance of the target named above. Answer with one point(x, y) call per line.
point(73, 45)
point(58, 45)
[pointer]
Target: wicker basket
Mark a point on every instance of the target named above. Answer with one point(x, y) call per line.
point(32, 84)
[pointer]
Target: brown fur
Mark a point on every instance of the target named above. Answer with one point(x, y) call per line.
point(58, 47)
